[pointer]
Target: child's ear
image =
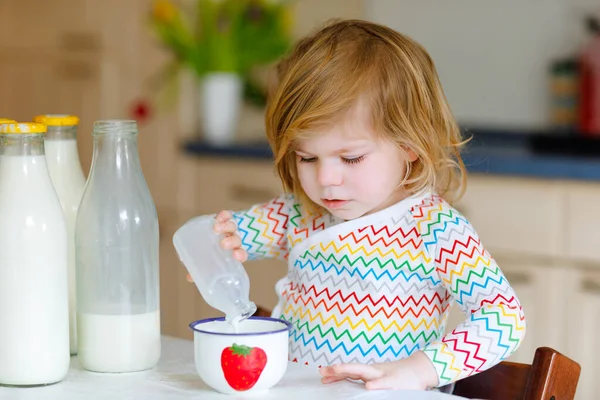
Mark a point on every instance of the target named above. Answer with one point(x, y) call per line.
point(411, 156)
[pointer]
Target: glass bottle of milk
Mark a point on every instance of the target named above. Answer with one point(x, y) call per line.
point(64, 166)
point(34, 310)
point(116, 236)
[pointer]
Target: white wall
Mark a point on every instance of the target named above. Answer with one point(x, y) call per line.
point(492, 56)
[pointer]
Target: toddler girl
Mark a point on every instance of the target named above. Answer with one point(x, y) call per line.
point(367, 150)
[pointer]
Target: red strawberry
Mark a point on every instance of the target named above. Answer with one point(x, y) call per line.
point(242, 365)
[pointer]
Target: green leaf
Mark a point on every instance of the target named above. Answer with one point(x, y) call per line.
point(253, 93)
point(241, 350)
point(236, 36)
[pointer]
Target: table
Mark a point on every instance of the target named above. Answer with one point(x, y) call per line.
point(175, 378)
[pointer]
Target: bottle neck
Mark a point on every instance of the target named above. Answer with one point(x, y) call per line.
point(115, 145)
point(62, 133)
point(243, 310)
point(22, 144)
point(61, 148)
point(118, 150)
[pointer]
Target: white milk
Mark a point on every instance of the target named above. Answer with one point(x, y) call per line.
point(34, 319)
point(234, 322)
point(68, 179)
point(119, 343)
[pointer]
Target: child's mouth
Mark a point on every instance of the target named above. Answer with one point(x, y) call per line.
point(334, 203)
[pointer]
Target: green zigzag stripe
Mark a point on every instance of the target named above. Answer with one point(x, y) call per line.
point(372, 260)
point(362, 334)
point(296, 215)
point(467, 280)
point(257, 233)
point(510, 327)
point(439, 216)
point(437, 359)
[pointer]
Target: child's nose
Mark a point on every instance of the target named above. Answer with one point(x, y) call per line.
point(329, 176)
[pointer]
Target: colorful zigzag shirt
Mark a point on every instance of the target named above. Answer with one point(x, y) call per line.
point(380, 287)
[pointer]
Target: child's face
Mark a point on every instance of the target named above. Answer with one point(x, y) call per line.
point(350, 173)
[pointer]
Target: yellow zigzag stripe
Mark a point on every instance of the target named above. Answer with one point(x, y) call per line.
point(266, 230)
point(429, 217)
point(466, 264)
point(294, 242)
point(510, 313)
point(298, 313)
point(444, 349)
point(376, 250)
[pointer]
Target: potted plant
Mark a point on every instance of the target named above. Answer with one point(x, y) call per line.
point(223, 42)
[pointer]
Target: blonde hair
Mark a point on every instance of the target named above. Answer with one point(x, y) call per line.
point(326, 74)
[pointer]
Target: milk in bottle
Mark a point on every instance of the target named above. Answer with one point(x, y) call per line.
point(68, 179)
point(116, 250)
point(34, 316)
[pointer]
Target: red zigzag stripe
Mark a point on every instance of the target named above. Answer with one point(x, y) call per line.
point(357, 240)
point(470, 355)
point(276, 230)
point(416, 311)
point(449, 260)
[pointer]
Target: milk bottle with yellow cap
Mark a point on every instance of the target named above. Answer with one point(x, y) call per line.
point(34, 315)
point(64, 166)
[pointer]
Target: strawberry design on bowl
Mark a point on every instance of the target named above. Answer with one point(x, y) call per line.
point(252, 359)
point(242, 365)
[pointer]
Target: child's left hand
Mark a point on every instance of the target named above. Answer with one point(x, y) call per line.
point(413, 373)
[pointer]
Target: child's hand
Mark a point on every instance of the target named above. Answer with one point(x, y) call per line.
point(227, 226)
point(231, 241)
point(413, 373)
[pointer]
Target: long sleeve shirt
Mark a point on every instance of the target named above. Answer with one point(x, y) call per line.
point(380, 287)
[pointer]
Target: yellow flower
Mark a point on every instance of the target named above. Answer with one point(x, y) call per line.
point(163, 11)
point(288, 19)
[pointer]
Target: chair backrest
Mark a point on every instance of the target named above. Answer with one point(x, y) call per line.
point(262, 312)
point(551, 376)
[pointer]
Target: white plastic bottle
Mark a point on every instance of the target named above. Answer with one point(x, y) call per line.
point(68, 179)
point(116, 236)
point(34, 316)
point(221, 280)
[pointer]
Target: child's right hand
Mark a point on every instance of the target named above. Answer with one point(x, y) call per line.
point(226, 225)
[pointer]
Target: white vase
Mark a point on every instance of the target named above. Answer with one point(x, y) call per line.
point(220, 100)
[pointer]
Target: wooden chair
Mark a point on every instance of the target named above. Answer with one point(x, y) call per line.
point(262, 312)
point(551, 376)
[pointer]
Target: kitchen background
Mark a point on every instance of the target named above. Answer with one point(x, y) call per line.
point(511, 72)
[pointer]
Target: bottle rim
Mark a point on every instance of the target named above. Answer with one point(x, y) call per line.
point(26, 128)
point(115, 127)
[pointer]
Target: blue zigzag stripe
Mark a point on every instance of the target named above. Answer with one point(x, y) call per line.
point(440, 230)
point(301, 338)
point(481, 285)
point(253, 254)
point(488, 328)
point(355, 271)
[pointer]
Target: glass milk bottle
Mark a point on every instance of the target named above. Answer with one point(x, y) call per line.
point(116, 236)
point(34, 313)
point(64, 166)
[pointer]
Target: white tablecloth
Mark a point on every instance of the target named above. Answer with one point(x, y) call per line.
point(175, 378)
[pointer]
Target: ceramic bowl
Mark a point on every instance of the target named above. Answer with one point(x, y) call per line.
point(252, 360)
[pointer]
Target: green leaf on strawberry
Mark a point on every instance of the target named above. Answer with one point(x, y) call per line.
point(242, 365)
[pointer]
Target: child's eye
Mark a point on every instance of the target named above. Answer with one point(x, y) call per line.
point(354, 160)
point(307, 159)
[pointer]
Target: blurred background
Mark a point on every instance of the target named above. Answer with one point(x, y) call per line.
point(523, 78)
